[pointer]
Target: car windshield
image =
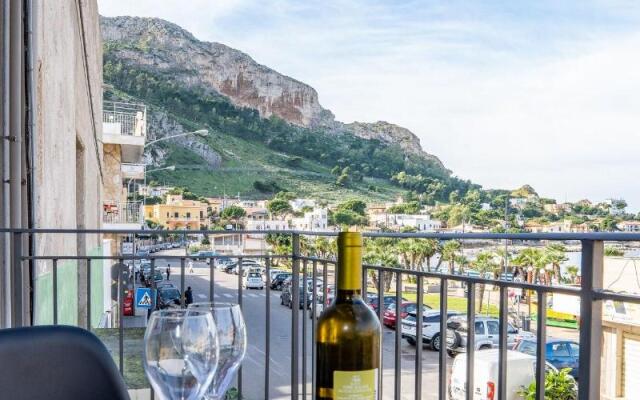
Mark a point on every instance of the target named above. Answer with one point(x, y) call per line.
point(254, 275)
point(410, 318)
point(170, 293)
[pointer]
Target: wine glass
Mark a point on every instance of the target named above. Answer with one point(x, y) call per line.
point(180, 353)
point(232, 337)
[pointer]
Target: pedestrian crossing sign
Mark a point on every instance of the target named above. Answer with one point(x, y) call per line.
point(144, 298)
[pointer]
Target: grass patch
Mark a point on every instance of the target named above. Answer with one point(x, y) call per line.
point(453, 303)
point(134, 375)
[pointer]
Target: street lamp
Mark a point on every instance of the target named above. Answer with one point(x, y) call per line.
point(199, 132)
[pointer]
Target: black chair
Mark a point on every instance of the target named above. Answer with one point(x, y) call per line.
point(57, 363)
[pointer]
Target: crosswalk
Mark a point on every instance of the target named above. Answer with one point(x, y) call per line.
point(233, 296)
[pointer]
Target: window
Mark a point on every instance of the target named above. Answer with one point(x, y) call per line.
point(575, 349)
point(480, 328)
point(188, 215)
point(167, 214)
point(560, 350)
point(528, 347)
point(493, 327)
point(176, 215)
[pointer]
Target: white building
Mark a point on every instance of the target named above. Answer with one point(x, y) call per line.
point(316, 220)
point(629, 226)
point(267, 224)
point(422, 223)
point(299, 204)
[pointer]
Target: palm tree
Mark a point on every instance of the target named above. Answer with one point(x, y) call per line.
point(431, 248)
point(449, 252)
point(572, 271)
point(381, 251)
point(505, 257)
point(485, 264)
point(555, 255)
point(324, 248)
point(462, 263)
point(530, 260)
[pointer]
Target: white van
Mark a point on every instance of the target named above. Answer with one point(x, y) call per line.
point(521, 371)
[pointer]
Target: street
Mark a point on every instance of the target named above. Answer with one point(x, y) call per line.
point(254, 310)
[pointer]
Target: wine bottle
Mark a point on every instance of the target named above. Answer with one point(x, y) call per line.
point(348, 333)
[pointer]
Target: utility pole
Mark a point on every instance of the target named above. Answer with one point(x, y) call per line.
point(506, 228)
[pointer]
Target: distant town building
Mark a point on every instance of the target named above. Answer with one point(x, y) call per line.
point(267, 224)
point(316, 220)
point(299, 204)
point(178, 213)
point(154, 191)
point(557, 208)
point(629, 226)
point(420, 222)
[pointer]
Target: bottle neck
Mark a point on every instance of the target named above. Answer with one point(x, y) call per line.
point(349, 279)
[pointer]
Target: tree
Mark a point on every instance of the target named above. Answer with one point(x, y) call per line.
point(449, 251)
point(279, 207)
point(381, 251)
point(347, 218)
point(357, 206)
point(530, 260)
point(555, 255)
point(233, 213)
point(485, 264)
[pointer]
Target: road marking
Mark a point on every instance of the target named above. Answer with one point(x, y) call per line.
point(227, 295)
point(201, 296)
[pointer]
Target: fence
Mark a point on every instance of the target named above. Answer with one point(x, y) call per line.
point(124, 118)
point(304, 267)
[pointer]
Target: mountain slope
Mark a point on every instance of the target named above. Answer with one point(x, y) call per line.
point(190, 84)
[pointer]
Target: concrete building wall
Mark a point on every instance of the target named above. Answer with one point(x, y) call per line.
point(68, 162)
point(113, 182)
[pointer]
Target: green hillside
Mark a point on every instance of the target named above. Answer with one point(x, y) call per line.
point(262, 155)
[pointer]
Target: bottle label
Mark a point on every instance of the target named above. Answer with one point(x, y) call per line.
point(355, 385)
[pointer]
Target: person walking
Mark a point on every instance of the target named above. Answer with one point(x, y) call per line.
point(191, 266)
point(168, 271)
point(188, 296)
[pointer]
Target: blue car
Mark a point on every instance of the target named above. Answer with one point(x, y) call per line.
point(561, 353)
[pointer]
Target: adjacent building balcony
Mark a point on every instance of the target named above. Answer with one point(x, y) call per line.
point(122, 215)
point(125, 124)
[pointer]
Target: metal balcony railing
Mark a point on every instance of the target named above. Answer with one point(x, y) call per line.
point(590, 293)
point(122, 213)
point(124, 118)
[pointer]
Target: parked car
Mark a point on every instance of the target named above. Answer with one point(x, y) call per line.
point(246, 264)
point(487, 334)
point(274, 272)
point(561, 353)
point(223, 262)
point(372, 300)
point(389, 316)
point(430, 328)
point(286, 297)
point(157, 277)
point(521, 367)
point(128, 309)
point(169, 297)
point(253, 280)
point(277, 283)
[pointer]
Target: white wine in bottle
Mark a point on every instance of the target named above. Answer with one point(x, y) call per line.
point(348, 333)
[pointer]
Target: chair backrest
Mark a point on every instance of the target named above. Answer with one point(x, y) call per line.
point(57, 363)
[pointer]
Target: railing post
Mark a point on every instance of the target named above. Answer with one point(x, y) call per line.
point(17, 297)
point(590, 320)
point(295, 291)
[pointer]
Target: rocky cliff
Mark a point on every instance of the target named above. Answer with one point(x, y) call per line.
point(217, 69)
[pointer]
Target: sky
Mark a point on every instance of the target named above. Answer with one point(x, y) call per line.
point(506, 93)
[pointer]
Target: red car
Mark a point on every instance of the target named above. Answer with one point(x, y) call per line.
point(389, 317)
point(128, 303)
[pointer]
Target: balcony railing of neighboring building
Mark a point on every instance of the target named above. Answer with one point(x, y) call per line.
point(590, 293)
point(122, 213)
point(127, 119)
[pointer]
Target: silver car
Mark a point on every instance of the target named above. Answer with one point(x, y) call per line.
point(487, 334)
